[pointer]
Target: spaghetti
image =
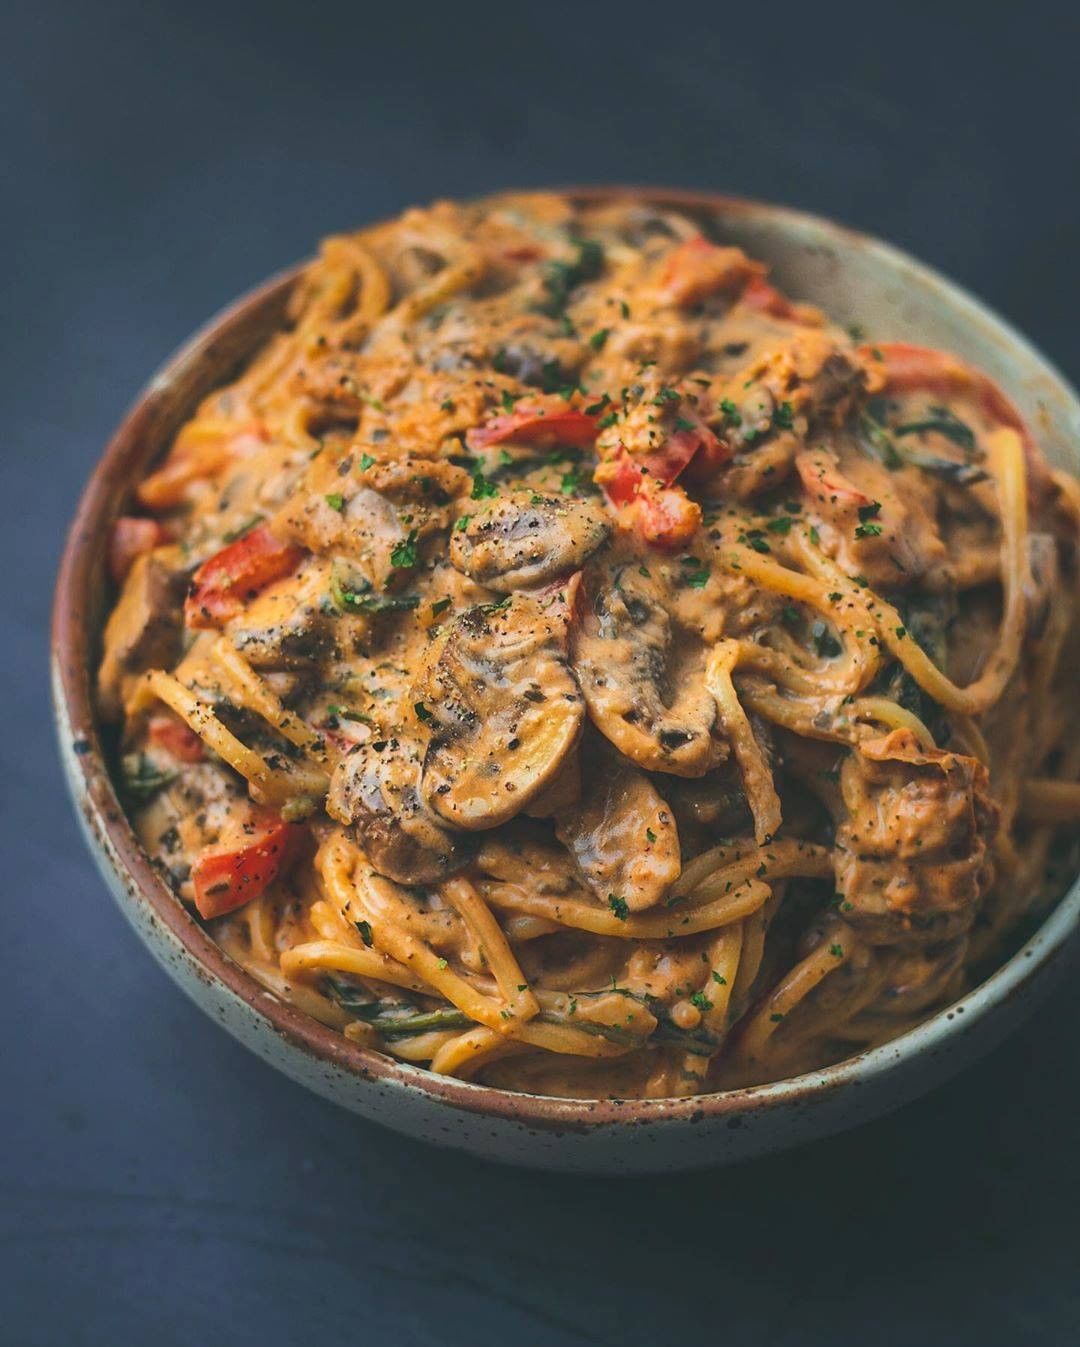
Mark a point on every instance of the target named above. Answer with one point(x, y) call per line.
point(562, 660)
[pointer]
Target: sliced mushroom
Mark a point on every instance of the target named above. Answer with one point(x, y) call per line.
point(643, 683)
point(376, 792)
point(528, 539)
point(622, 835)
point(143, 629)
point(502, 706)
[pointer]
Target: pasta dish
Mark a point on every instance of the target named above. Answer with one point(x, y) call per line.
point(562, 660)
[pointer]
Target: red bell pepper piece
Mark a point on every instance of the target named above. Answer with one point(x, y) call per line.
point(523, 252)
point(222, 586)
point(765, 298)
point(695, 450)
point(697, 269)
point(171, 734)
point(621, 478)
point(907, 368)
point(131, 537)
point(536, 424)
point(695, 447)
point(225, 879)
point(666, 516)
point(821, 476)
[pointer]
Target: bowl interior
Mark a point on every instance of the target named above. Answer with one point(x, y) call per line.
point(857, 280)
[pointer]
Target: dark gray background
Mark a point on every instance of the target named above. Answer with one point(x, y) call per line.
point(159, 1185)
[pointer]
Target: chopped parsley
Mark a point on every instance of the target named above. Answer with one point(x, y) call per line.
point(482, 487)
point(364, 927)
point(944, 423)
point(423, 714)
point(142, 778)
point(336, 501)
point(619, 906)
point(404, 553)
point(825, 643)
point(366, 461)
point(866, 528)
point(597, 340)
point(562, 278)
point(880, 442)
point(701, 1002)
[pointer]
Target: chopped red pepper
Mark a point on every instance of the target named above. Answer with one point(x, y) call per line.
point(765, 298)
point(539, 425)
point(171, 734)
point(221, 586)
point(694, 449)
point(523, 252)
point(907, 368)
point(227, 879)
point(621, 478)
point(131, 537)
point(821, 476)
point(697, 269)
point(666, 516)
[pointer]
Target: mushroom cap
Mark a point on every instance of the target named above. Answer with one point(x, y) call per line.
point(502, 707)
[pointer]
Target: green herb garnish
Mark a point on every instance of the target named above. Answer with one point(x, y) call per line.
point(404, 553)
point(619, 906)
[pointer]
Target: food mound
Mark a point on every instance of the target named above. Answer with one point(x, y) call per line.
point(563, 660)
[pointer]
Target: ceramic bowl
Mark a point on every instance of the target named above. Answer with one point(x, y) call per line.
point(857, 280)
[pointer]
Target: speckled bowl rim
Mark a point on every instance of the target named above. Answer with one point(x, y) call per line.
point(115, 840)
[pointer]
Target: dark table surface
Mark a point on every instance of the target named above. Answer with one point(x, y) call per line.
point(160, 1185)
